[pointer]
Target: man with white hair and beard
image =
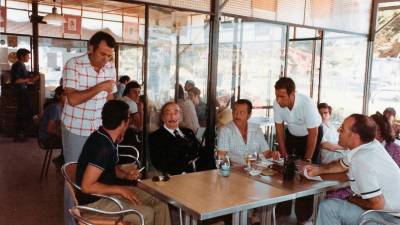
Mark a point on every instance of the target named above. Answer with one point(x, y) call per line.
point(173, 149)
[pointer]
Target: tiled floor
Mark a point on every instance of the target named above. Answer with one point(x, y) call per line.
point(23, 199)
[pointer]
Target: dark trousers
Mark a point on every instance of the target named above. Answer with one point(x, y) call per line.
point(304, 206)
point(24, 111)
point(297, 145)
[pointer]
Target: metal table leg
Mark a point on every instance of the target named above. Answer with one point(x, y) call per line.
point(243, 217)
point(187, 219)
point(236, 218)
point(266, 214)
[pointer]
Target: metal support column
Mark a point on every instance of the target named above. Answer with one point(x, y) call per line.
point(212, 74)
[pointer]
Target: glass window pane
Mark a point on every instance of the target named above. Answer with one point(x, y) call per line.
point(114, 28)
point(130, 62)
point(299, 65)
point(53, 54)
point(18, 22)
point(385, 78)
point(16, 4)
point(251, 57)
point(343, 73)
point(177, 48)
point(161, 62)
point(89, 27)
point(69, 11)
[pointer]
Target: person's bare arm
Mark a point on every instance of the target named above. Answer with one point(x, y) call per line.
point(110, 97)
point(91, 185)
point(330, 146)
point(275, 155)
point(76, 97)
point(280, 138)
point(311, 142)
point(333, 167)
point(375, 203)
point(132, 174)
point(27, 80)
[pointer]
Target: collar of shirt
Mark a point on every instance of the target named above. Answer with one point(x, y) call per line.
point(354, 151)
point(172, 131)
point(106, 135)
point(296, 102)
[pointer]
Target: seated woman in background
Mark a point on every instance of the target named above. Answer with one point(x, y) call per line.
point(384, 134)
point(49, 125)
point(390, 114)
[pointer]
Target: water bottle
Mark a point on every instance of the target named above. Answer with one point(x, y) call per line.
point(225, 168)
point(289, 167)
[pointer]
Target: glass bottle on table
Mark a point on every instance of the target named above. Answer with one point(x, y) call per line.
point(225, 168)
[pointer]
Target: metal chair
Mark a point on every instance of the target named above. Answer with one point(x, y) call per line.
point(47, 157)
point(363, 220)
point(95, 216)
point(132, 154)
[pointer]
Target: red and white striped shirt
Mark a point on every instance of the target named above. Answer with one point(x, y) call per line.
point(80, 75)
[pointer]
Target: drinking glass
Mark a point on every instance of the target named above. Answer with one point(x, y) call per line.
point(250, 158)
point(218, 160)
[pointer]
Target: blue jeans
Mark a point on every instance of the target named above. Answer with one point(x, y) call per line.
point(342, 212)
point(72, 148)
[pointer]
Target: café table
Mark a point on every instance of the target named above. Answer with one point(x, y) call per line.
point(204, 195)
point(300, 186)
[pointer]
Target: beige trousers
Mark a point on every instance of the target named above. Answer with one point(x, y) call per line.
point(154, 211)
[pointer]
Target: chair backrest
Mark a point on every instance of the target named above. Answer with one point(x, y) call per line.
point(68, 170)
point(129, 152)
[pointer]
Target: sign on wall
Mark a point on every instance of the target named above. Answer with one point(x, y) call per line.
point(3, 17)
point(131, 32)
point(72, 24)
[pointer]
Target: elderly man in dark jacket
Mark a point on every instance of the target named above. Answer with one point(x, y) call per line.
point(173, 150)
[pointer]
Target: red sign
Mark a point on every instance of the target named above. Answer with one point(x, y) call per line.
point(131, 32)
point(72, 24)
point(3, 17)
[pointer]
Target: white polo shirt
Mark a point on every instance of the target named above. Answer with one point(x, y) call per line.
point(373, 172)
point(304, 115)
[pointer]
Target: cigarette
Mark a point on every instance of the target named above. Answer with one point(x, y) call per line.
point(141, 169)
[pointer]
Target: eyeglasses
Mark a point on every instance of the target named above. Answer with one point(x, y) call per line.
point(340, 129)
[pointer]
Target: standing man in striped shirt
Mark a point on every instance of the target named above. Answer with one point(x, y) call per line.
point(89, 82)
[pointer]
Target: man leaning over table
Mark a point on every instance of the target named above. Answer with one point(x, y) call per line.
point(98, 172)
point(89, 81)
point(301, 115)
point(241, 136)
point(374, 176)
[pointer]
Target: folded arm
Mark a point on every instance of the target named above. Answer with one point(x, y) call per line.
point(91, 185)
